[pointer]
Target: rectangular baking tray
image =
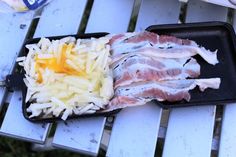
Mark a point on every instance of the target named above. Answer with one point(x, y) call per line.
point(212, 36)
point(23, 87)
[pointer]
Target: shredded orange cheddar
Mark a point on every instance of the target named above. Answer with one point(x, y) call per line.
point(57, 66)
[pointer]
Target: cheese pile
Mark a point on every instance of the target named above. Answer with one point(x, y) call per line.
point(67, 76)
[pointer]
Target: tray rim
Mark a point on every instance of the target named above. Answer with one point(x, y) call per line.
point(193, 25)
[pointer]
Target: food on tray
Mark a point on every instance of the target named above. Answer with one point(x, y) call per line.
point(67, 76)
point(171, 90)
point(139, 68)
point(153, 45)
point(148, 66)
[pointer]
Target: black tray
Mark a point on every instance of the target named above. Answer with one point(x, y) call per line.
point(211, 35)
point(16, 80)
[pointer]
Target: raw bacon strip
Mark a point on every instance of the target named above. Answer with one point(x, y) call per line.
point(134, 37)
point(151, 44)
point(173, 90)
point(167, 90)
point(178, 51)
point(120, 102)
point(140, 93)
point(124, 101)
point(139, 68)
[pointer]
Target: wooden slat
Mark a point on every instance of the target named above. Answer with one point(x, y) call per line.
point(190, 130)
point(13, 29)
point(90, 130)
point(110, 16)
point(15, 125)
point(61, 17)
point(56, 19)
point(199, 11)
point(135, 130)
point(82, 135)
point(228, 134)
point(157, 12)
point(226, 3)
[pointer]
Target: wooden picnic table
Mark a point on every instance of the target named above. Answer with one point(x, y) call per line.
point(191, 131)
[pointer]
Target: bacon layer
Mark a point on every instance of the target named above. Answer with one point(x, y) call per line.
point(173, 90)
point(147, 66)
point(137, 68)
point(151, 44)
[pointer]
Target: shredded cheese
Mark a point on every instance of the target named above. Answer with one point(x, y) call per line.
point(67, 76)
